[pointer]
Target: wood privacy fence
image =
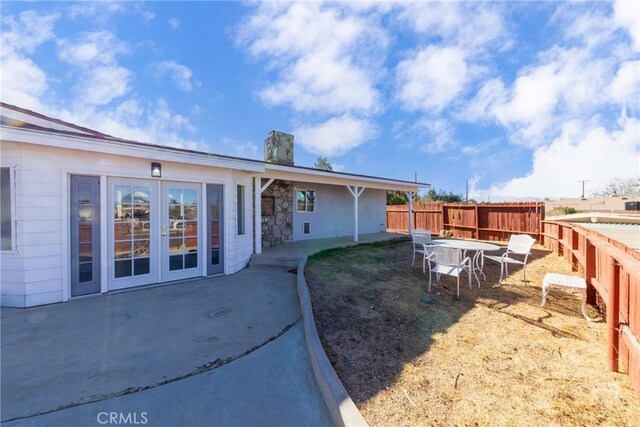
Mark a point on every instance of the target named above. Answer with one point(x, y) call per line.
point(613, 271)
point(486, 221)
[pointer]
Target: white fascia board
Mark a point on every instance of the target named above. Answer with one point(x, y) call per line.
point(122, 148)
point(321, 177)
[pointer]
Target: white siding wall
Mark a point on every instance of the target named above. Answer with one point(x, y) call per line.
point(334, 212)
point(240, 247)
point(35, 273)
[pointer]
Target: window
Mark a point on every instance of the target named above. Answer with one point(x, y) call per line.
point(306, 200)
point(306, 228)
point(6, 212)
point(240, 209)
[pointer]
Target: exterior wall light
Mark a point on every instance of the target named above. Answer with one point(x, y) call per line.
point(156, 170)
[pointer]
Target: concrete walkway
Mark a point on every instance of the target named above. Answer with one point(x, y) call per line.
point(291, 253)
point(223, 351)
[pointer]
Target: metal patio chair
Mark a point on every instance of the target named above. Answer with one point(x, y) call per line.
point(449, 261)
point(421, 240)
point(519, 245)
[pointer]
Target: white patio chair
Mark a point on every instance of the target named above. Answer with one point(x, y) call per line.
point(421, 240)
point(449, 261)
point(519, 244)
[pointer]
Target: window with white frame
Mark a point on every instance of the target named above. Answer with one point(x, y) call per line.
point(240, 209)
point(6, 209)
point(306, 200)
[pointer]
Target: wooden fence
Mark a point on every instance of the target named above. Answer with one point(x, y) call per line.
point(613, 271)
point(486, 221)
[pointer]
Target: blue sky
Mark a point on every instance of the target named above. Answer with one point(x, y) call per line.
point(523, 99)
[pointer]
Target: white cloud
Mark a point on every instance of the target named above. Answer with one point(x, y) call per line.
point(99, 82)
point(95, 8)
point(467, 25)
point(566, 83)
point(625, 86)
point(627, 15)
point(103, 10)
point(236, 148)
point(101, 47)
point(29, 31)
point(335, 136)
point(440, 135)
point(320, 84)
point(174, 23)
point(100, 85)
point(155, 124)
point(180, 74)
point(327, 59)
point(23, 82)
point(316, 72)
point(584, 150)
point(432, 79)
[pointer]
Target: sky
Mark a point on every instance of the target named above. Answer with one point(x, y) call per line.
point(519, 99)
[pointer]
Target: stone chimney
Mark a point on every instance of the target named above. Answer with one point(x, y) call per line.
point(278, 148)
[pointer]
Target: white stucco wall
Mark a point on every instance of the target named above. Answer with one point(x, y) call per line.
point(37, 272)
point(334, 212)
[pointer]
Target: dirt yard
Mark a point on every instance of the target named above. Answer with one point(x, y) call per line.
point(493, 357)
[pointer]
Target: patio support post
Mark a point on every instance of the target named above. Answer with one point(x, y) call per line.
point(410, 199)
point(355, 192)
point(257, 226)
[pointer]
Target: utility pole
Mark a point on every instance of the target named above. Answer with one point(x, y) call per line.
point(467, 197)
point(583, 181)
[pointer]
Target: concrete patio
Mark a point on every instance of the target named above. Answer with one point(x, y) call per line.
point(226, 351)
point(289, 254)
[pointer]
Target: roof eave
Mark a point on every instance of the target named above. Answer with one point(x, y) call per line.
point(303, 174)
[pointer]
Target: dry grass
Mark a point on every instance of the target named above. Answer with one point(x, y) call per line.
point(493, 357)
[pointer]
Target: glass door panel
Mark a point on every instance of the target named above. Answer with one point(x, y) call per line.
point(214, 229)
point(132, 241)
point(180, 231)
point(85, 235)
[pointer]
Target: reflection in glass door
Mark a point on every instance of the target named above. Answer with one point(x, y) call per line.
point(215, 236)
point(180, 227)
point(85, 235)
point(132, 224)
point(132, 242)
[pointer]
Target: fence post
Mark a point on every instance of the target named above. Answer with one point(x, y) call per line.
point(590, 270)
point(613, 313)
point(477, 225)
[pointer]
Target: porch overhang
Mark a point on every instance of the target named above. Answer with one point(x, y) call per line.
point(303, 174)
point(353, 183)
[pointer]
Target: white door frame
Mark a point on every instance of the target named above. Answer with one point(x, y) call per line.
point(166, 275)
point(154, 218)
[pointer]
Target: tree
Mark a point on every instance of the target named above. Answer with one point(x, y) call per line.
point(396, 198)
point(621, 187)
point(442, 196)
point(323, 163)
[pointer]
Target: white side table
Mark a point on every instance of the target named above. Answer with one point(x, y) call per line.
point(569, 282)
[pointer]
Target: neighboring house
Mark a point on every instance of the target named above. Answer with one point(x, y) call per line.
point(87, 213)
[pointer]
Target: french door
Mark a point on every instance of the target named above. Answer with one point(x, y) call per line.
point(133, 238)
point(180, 231)
point(155, 231)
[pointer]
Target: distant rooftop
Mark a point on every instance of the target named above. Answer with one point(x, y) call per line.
point(625, 228)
